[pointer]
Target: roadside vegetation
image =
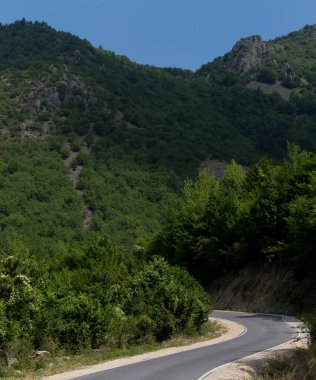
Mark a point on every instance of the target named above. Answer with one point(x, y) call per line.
point(299, 365)
point(261, 215)
point(62, 361)
point(92, 297)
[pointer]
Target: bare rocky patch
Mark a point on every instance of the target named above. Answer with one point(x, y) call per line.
point(29, 132)
point(269, 89)
point(214, 166)
point(120, 118)
point(74, 174)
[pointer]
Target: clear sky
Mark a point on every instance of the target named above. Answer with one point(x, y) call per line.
point(181, 33)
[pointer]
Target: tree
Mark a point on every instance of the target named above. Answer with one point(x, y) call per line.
point(267, 75)
point(167, 299)
point(17, 301)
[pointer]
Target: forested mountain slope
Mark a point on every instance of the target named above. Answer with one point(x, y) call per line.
point(127, 135)
point(94, 151)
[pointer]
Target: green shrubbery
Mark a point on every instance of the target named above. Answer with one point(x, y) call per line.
point(37, 202)
point(267, 75)
point(91, 296)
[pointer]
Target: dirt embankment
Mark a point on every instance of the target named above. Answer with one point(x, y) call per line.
point(269, 289)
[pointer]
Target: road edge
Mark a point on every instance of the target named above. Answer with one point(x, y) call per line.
point(261, 355)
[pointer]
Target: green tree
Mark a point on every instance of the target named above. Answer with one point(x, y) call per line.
point(166, 298)
point(267, 75)
point(18, 300)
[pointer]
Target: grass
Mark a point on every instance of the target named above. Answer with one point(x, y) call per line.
point(60, 362)
point(299, 366)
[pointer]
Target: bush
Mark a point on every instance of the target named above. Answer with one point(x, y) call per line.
point(76, 321)
point(267, 75)
point(167, 299)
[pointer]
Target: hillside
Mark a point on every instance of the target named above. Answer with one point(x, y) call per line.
point(122, 137)
point(95, 205)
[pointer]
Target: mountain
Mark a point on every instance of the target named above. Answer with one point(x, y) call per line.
point(94, 143)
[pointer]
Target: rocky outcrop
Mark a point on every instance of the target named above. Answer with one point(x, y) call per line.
point(246, 54)
point(77, 92)
point(214, 166)
point(45, 95)
point(41, 98)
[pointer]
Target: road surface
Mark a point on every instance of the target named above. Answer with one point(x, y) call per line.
point(263, 332)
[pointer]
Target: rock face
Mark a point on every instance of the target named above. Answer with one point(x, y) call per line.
point(44, 95)
point(246, 54)
point(77, 92)
point(36, 99)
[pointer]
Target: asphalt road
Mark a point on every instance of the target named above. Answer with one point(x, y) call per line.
point(263, 332)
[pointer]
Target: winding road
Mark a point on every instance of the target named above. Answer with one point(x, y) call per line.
point(263, 331)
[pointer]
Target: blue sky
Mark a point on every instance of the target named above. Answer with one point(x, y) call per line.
point(181, 33)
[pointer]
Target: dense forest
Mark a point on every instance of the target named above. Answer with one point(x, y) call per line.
point(106, 225)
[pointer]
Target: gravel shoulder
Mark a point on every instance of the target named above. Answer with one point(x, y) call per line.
point(245, 368)
point(231, 330)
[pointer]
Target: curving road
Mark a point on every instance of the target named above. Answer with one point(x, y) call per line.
point(263, 332)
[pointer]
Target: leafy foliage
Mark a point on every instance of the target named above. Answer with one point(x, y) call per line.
point(36, 200)
point(93, 296)
point(264, 214)
point(17, 302)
